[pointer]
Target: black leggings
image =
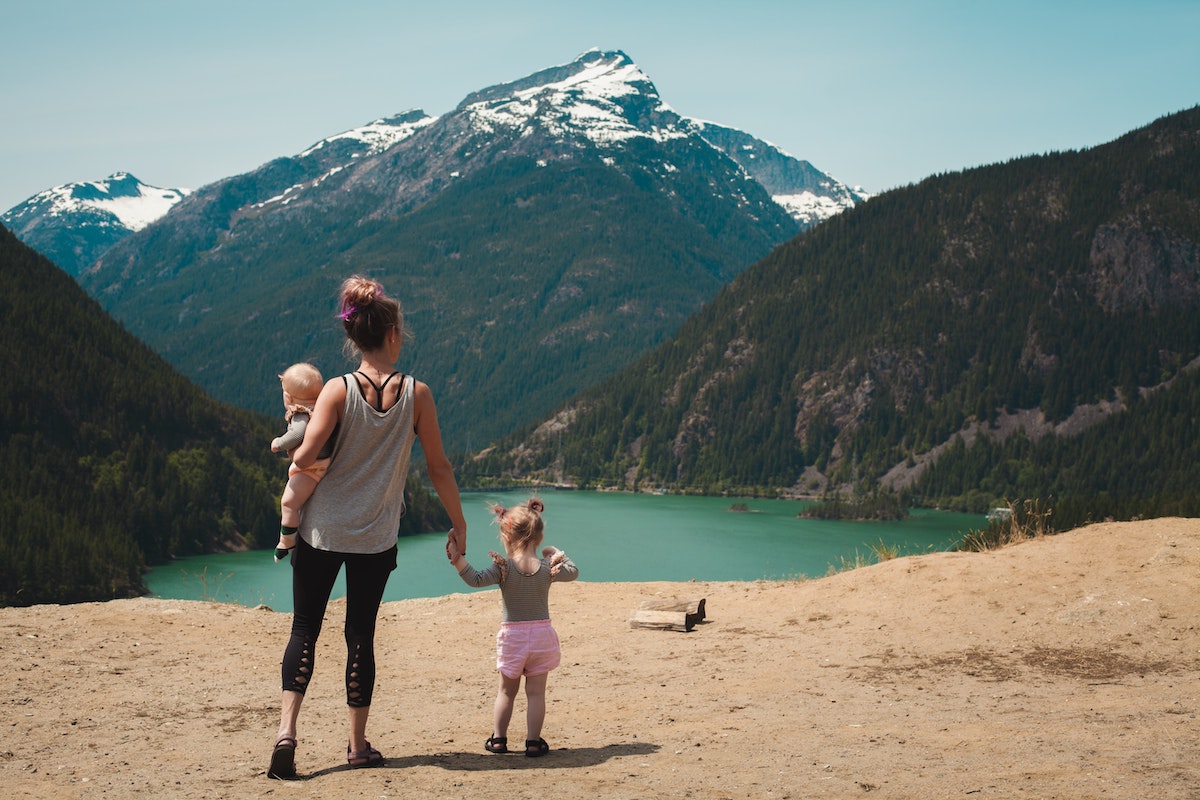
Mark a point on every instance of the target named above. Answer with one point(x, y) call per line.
point(313, 574)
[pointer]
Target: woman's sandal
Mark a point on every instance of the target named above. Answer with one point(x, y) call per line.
point(535, 748)
point(496, 744)
point(283, 760)
point(363, 758)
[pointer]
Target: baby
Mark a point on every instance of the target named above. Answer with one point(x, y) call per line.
point(301, 385)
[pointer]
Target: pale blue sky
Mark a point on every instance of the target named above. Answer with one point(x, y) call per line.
point(878, 94)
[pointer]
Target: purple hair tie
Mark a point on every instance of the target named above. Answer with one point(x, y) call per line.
point(348, 312)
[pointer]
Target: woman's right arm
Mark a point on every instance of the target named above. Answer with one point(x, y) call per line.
point(441, 473)
point(325, 417)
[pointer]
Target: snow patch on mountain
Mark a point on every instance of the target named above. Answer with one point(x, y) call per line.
point(805, 192)
point(292, 192)
point(379, 135)
point(809, 208)
point(336, 153)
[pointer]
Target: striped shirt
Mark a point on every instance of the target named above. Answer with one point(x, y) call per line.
point(524, 597)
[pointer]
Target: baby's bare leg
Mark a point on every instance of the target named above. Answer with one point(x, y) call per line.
point(299, 488)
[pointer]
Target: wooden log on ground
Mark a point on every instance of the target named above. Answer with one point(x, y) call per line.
point(692, 605)
point(668, 614)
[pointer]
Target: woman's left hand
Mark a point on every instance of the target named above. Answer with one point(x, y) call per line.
point(459, 539)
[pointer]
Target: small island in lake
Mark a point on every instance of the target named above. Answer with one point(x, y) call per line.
point(881, 507)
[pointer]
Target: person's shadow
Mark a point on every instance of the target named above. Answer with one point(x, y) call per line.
point(557, 758)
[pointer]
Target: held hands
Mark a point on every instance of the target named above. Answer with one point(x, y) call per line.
point(456, 545)
point(453, 553)
point(456, 540)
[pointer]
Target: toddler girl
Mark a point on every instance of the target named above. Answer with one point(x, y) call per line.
point(526, 645)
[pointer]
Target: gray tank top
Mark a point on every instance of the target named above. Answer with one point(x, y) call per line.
point(356, 508)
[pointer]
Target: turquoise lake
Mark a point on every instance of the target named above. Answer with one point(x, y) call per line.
point(611, 536)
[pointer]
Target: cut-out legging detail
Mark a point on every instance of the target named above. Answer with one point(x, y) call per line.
point(313, 576)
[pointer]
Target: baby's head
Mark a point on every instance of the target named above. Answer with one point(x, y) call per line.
point(520, 526)
point(301, 383)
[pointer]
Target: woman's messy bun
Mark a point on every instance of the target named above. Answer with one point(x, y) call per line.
point(367, 313)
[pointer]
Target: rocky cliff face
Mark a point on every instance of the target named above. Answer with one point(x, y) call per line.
point(1135, 269)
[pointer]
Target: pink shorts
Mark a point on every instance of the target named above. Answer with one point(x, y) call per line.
point(527, 648)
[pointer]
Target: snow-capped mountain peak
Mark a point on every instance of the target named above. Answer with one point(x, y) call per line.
point(602, 94)
point(74, 223)
point(605, 98)
point(126, 201)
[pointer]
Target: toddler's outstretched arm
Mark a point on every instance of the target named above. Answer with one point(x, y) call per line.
point(558, 558)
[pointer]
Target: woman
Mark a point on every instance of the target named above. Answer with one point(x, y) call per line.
point(353, 516)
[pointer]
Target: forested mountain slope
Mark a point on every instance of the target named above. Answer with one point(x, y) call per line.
point(109, 459)
point(1024, 300)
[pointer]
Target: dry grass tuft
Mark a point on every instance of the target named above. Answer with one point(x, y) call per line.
point(1018, 522)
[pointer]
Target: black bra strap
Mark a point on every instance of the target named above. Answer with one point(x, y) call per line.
point(378, 387)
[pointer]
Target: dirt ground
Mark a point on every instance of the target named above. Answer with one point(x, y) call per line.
point(1063, 667)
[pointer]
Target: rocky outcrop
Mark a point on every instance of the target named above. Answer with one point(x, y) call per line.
point(1138, 270)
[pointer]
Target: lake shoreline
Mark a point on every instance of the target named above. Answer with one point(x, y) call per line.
point(674, 537)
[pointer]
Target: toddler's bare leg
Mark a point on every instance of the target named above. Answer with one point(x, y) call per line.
point(535, 695)
point(505, 698)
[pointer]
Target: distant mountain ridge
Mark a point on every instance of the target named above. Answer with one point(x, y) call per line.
point(74, 223)
point(551, 227)
point(809, 195)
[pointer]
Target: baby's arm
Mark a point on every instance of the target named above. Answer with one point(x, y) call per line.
point(294, 436)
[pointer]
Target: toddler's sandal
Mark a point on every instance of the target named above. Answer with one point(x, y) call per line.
point(535, 748)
